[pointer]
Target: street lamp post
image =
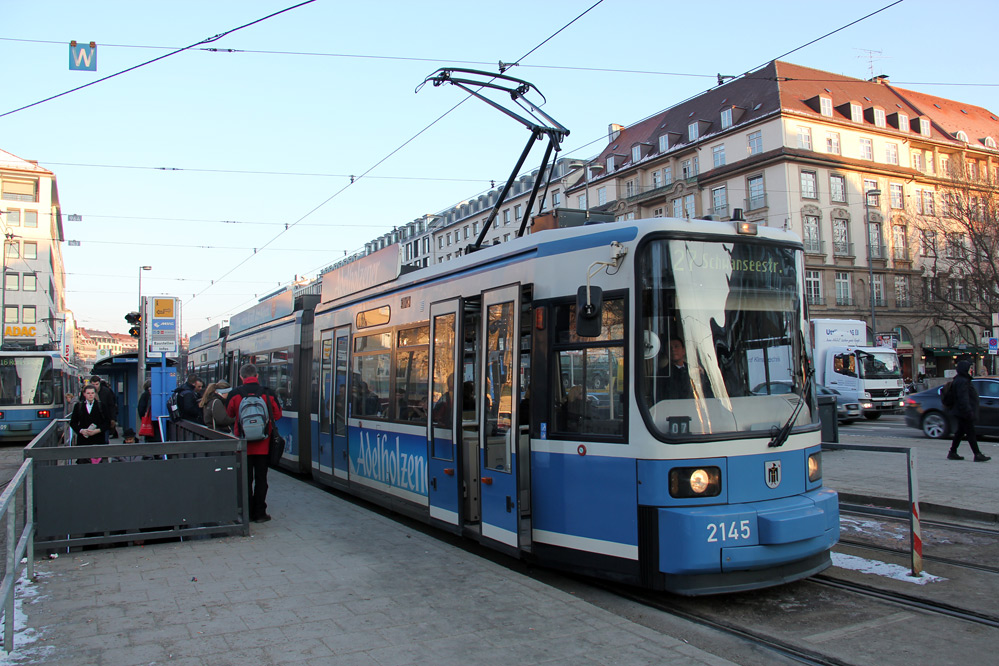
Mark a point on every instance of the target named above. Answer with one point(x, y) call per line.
point(586, 180)
point(140, 357)
point(870, 258)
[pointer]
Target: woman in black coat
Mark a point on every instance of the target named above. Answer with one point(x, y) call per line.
point(88, 412)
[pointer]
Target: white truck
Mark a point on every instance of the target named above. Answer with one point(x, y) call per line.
point(869, 375)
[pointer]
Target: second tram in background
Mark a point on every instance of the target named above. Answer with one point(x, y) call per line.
point(629, 400)
point(35, 388)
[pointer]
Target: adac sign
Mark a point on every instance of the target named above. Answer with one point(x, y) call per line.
point(19, 331)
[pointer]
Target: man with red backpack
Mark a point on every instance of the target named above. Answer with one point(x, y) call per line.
point(256, 410)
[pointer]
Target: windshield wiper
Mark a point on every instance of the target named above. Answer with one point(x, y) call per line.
point(779, 435)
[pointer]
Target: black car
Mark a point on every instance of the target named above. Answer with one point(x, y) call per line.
point(925, 410)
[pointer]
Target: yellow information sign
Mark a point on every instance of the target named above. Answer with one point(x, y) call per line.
point(163, 307)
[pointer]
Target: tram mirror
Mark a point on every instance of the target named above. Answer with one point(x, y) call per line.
point(589, 312)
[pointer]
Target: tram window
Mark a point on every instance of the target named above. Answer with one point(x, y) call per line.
point(589, 395)
point(498, 396)
point(370, 385)
point(374, 317)
point(412, 375)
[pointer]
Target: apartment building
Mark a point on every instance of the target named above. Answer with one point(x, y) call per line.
point(34, 284)
point(861, 170)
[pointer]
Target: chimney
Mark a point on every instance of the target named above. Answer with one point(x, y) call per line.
point(881, 78)
point(614, 131)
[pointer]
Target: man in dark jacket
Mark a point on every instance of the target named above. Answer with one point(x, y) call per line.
point(188, 396)
point(965, 410)
point(256, 451)
point(109, 403)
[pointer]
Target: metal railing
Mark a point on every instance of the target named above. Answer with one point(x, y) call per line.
point(843, 249)
point(915, 536)
point(18, 546)
point(81, 504)
point(814, 246)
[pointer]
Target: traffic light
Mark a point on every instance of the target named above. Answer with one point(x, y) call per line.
point(135, 319)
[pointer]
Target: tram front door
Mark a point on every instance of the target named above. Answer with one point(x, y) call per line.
point(499, 391)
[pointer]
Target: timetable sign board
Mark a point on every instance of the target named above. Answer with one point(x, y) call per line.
point(164, 324)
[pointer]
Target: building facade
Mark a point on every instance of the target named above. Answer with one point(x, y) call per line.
point(861, 170)
point(34, 285)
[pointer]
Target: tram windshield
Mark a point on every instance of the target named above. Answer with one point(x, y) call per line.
point(724, 338)
point(26, 380)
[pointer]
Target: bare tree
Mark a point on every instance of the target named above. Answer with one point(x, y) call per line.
point(957, 232)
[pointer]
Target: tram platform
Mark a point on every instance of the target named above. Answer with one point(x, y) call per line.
point(325, 582)
point(331, 582)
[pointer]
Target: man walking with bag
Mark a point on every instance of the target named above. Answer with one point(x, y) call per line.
point(965, 410)
point(255, 409)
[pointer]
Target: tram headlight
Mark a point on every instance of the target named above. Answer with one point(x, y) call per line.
point(694, 482)
point(815, 466)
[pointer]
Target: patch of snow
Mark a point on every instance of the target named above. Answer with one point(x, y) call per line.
point(884, 569)
point(25, 649)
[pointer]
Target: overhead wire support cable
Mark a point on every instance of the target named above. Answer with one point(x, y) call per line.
point(207, 40)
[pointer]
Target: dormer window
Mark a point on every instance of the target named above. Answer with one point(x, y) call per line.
point(692, 131)
point(879, 118)
point(924, 126)
point(903, 122)
point(856, 113)
point(961, 136)
point(636, 153)
point(726, 118)
point(825, 106)
point(990, 142)
point(610, 164)
point(663, 143)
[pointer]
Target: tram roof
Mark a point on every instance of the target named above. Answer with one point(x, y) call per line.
point(384, 267)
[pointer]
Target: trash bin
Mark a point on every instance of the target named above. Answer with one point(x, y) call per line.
point(827, 414)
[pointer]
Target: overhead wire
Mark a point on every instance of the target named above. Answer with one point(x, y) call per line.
point(386, 157)
point(207, 40)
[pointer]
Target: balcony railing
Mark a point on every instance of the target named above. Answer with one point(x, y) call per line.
point(814, 246)
point(903, 302)
point(879, 252)
point(757, 202)
point(901, 254)
point(843, 249)
point(815, 300)
point(844, 301)
point(719, 212)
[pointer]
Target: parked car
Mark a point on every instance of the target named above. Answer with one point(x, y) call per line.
point(847, 411)
point(775, 387)
point(925, 410)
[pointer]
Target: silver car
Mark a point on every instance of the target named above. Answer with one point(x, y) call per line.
point(847, 411)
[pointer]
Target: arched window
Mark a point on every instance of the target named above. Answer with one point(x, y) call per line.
point(936, 337)
point(963, 335)
point(990, 142)
point(962, 136)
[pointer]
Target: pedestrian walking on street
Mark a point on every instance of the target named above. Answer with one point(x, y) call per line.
point(965, 410)
point(257, 449)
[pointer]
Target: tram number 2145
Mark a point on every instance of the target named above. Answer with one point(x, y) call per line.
point(728, 531)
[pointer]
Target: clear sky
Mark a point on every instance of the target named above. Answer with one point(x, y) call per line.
point(258, 140)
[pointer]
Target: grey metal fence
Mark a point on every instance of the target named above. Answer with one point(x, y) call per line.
point(194, 484)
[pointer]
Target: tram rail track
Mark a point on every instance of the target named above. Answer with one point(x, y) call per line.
point(926, 558)
point(772, 644)
point(907, 601)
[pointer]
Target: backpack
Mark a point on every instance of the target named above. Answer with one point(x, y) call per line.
point(947, 395)
point(173, 409)
point(253, 417)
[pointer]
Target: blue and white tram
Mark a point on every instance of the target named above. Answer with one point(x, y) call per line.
point(35, 388)
point(584, 398)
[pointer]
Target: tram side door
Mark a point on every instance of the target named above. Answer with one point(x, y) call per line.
point(341, 349)
point(323, 455)
point(443, 466)
point(498, 431)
